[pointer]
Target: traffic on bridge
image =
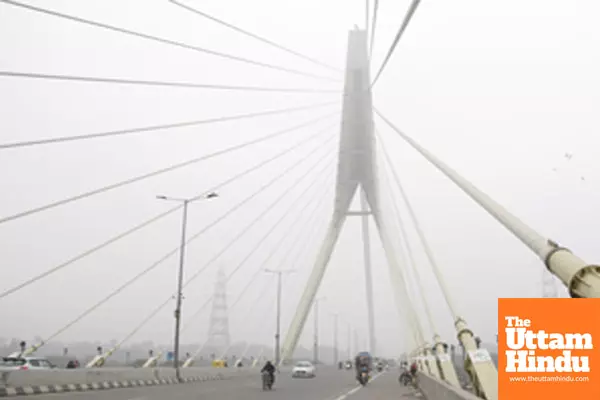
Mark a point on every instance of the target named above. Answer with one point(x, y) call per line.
point(180, 182)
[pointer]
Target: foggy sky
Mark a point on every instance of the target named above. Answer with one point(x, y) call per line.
point(498, 90)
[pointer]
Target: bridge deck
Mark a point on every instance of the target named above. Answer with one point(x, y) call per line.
point(328, 385)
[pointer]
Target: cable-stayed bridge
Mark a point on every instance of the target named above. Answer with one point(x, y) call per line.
point(270, 224)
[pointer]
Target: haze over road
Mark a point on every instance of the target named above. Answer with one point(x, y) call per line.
point(330, 384)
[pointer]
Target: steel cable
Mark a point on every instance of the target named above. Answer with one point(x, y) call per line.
point(253, 35)
point(189, 85)
point(251, 253)
point(152, 174)
point(151, 220)
point(121, 132)
point(407, 18)
point(162, 40)
point(162, 305)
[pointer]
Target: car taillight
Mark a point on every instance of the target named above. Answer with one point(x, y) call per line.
point(24, 368)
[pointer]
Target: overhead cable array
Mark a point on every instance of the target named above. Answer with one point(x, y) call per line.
point(249, 226)
point(162, 40)
point(410, 267)
point(191, 279)
point(373, 27)
point(195, 236)
point(253, 35)
point(189, 85)
point(254, 249)
point(150, 174)
point(424, 242)
point(405, 303)
point(122, 132)
point(270, 231)
point(155, 218)
point(407, 18)
point(279, 244)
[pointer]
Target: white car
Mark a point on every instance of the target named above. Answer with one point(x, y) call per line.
point(25, 363)
point(304, 369)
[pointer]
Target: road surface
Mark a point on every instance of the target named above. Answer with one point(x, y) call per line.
point(328, 385)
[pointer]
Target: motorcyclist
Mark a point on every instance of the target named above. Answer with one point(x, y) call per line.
point(361, 362)
point(413, 369)
point(405, 376)
point(270, 368)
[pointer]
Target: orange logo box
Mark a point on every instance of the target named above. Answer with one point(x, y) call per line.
point(548, 349)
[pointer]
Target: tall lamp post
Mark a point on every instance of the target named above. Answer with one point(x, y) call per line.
point(316, 333)
point(185, 203)
point(335, 339)
point(279, 273)
point(349, 342)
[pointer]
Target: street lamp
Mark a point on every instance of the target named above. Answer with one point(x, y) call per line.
point(335, 338)
point(185, 202)
point(349, 342)
point(278, 333)
point(316, 333)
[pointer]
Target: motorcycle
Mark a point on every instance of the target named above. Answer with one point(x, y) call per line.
point(379, 368)
point(405, 378)
point(363, 378)
point(267, 381)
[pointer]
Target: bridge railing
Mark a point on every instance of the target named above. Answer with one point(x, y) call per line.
point(99, 375)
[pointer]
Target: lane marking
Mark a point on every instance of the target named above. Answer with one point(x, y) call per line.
point(356, 389)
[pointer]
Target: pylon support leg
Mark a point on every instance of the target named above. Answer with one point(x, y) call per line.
point(368, 271)
point(314, 281)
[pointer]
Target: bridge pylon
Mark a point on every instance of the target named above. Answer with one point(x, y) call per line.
point(357, 174)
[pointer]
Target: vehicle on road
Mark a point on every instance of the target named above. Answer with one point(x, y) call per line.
point(363, 378)
point(304, 369)
point(406, 378)
point(364, 365)
point(267, 381)
point(348, 365)
point(25, 363)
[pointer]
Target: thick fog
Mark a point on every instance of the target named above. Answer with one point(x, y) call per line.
point(505, 92)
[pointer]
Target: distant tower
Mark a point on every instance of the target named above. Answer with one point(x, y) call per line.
point(549, 289)
point(218, 332)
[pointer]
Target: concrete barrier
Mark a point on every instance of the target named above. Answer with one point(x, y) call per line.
point(434, 389)
point(97, 375)
point(16, 383)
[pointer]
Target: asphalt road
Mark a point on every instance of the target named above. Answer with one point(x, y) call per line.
point(328, 385)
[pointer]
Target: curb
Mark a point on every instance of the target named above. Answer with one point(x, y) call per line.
point(84, 387)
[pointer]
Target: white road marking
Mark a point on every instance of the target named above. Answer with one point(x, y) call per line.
point(356, 389)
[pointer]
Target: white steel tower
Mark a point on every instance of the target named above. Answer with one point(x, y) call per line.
point(356, 173)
